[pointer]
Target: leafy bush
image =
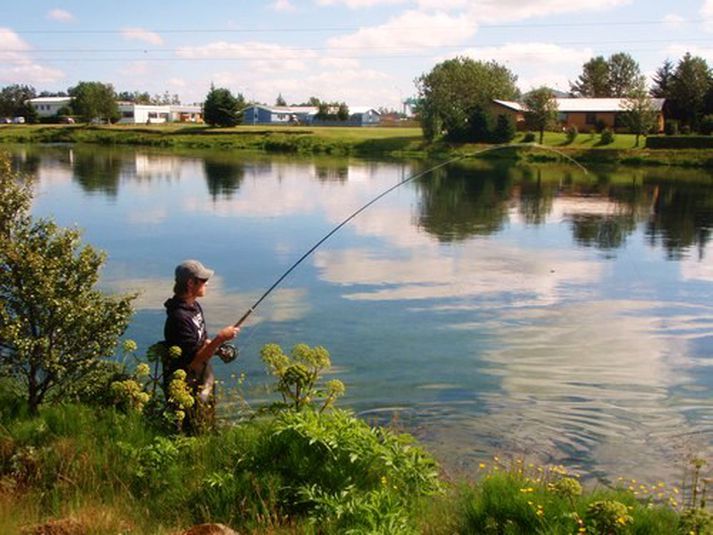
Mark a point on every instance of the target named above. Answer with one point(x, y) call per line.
point(679, 142)
point(504, 129)
point(606, 137)
point(529, 137)
point(671, 127)
point(571, 133)
point(706, 126)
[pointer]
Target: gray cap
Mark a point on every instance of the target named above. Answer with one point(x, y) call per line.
point(192, 269)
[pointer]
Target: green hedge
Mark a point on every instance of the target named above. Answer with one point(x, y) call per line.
point(679, 142)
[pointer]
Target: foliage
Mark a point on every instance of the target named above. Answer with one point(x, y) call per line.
point(279, 101)
point(606, 137)
point(690, 83)
point(13, 102)
point(607, 517)
point(221, 108)
point(298, 375)
point(662, 80)
point(504, 131)
point(641, 115)
point(706, 127)
point(54, 325)
point(94, 101)
point(612, 77)
point(541, 109)
point(671, 127)
point(332, 111)
point(571, 133)
point(529, 137)
point(454, 88)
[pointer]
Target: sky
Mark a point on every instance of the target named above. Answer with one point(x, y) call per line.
point(362, 52)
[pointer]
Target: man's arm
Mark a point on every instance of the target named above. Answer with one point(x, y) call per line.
point(210, 346)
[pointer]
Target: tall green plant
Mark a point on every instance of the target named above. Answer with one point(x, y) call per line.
point(298, 376)
point(55, 327)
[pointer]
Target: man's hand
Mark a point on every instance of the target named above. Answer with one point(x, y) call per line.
point(228, 333)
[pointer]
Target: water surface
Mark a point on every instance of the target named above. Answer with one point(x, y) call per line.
point(487, 307)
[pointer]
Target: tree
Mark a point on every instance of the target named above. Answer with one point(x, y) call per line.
point(94, 101)
point(504, 130)
point(690, 83)
point(279, 101)
point(137, 97)
point(541, 109)
point(594, 80)
point(641, 115)
point(221, 108)
point(662, 80)
point(343, 111)
point(624, 75)
point(13, 102)
point(55, 327)
point(454, 88)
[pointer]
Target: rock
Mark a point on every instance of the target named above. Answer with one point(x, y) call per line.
point(210, 529)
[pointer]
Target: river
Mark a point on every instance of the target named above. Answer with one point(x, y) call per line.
point(490, 308)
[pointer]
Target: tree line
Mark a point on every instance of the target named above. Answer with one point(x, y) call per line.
point(455, 97)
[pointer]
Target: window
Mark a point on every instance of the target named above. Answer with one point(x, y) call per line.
point(153, 115)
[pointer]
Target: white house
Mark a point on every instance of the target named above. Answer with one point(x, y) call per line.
point(49, 106)
point(132, 113)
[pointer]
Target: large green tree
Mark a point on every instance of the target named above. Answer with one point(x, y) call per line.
point(94, 101)
point(662, 80)
point(454, 88)
point(690, 83)
point(14, 102)
point(541, 109)
point(641, 114)
point(55, 327)
point(221, 108)
point(612, 77)
point(594, 80)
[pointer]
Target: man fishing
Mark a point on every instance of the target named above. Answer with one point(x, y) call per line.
point(185, 327)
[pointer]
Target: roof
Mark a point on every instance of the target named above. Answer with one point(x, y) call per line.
point(362, 109)
point(285, 109)
point(599, 104)
point(584, 105)
point(49, 100)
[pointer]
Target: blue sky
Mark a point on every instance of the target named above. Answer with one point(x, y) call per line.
point(364, 52)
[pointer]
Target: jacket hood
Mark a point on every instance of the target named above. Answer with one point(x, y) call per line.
point(175, 303)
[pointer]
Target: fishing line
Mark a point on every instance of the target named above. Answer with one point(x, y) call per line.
point(383, 194)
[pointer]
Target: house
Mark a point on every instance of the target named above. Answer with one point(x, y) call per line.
point(587, 114)
point(262, 114)
point(132, 113)
point(49, 106)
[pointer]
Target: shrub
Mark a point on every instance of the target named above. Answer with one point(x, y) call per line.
point(685, 130)
point(571, 133)
point(504, 129)
point(606, 137)
point(529, 137)
point(706, 126)
point(671, 127)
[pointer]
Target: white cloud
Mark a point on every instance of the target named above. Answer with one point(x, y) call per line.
point(707, 14)
point(19, 66)
point(262, 57)
point(135, 68)
point(60, 15)
point(543, 54)
point(492, 11)
point(673, 21)
point(139, 34)
point(408, 30)
point(283, 6)
point(359, 4)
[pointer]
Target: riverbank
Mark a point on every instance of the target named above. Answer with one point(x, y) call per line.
point(382, 142)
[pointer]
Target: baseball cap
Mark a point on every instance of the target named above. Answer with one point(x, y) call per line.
point(192, 269)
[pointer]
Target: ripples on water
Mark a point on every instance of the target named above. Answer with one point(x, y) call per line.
point(487, 308)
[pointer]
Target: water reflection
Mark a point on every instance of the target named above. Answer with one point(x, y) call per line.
point(476, 301)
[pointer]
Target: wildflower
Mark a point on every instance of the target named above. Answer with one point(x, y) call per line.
point(129, 346)
point(142, 370)
point(174, 352)
point(481, 466)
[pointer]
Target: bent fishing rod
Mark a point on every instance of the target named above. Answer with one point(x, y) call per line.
point(383, 194)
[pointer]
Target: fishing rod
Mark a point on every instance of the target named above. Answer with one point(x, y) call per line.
point(383, 194)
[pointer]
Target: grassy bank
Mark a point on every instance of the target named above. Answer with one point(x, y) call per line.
point(104, 472)
point(366, 142)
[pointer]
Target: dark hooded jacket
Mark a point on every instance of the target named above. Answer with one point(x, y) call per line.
point(185, 328)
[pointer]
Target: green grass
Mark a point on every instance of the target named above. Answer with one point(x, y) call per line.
point(110, 472)
point(390, 142)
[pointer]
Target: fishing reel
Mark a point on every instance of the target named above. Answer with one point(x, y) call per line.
point(227, 352)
